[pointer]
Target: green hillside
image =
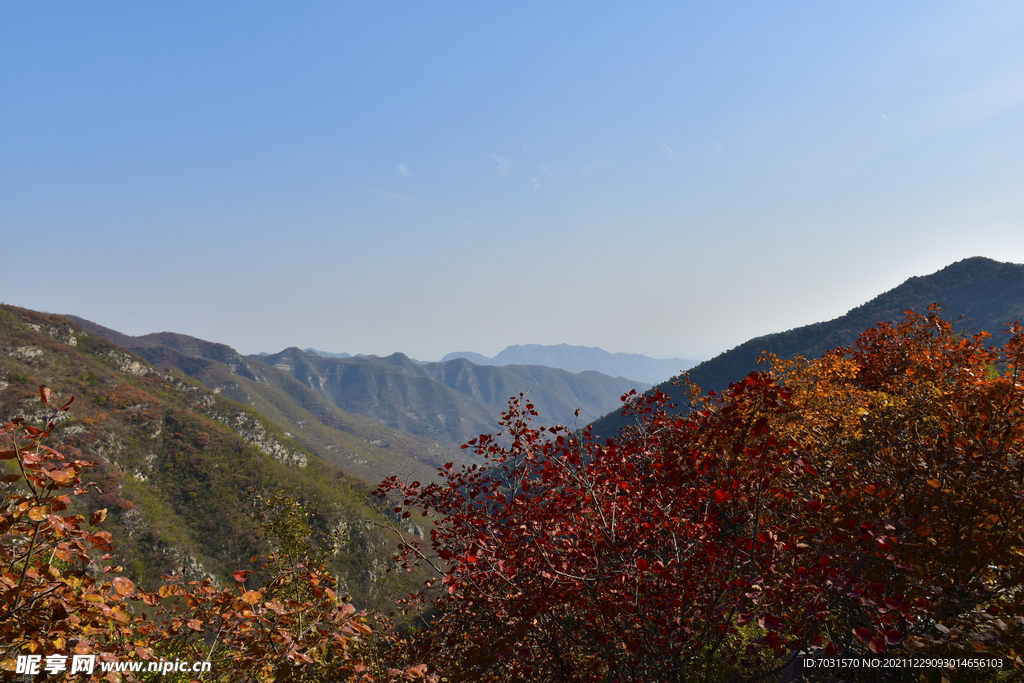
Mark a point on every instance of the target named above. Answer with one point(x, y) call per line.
point(176, 459)
point(361, 446)
point(986, 293)
point(454, 401)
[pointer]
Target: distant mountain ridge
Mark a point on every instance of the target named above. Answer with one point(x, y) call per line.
point(328, 354)
point(633, 366)
point(986, 292)
point(324, 354)
point(427, 409)
point(454, 400)
point(362, 447)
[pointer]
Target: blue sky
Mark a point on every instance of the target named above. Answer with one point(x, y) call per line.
point(668, 179)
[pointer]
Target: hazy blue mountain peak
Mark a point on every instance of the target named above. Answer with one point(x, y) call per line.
point(577, 359)
point(324, 354)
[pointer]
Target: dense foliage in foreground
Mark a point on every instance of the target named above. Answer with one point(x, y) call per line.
point(60, 598)
point(868, 502)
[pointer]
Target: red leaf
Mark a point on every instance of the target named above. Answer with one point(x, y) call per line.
point(722, 496)
point(863, 633)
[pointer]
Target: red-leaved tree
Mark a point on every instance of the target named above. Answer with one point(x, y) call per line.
point(870, 501)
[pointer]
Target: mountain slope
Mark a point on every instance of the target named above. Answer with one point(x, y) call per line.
point(987, 292)
point(362, 447)
point(454, 401)
point(583, 358)
point(376, 417)
point(174, 460)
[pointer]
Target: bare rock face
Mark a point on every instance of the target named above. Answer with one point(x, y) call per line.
point(62, 333)
point(127, 364)
point(252, 430)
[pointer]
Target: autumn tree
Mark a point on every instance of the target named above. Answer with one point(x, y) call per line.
point(869, 501)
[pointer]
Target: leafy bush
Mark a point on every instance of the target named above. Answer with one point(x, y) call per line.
point(868, 502)
point(58, 597)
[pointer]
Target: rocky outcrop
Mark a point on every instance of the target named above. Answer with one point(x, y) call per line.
point(252, 430)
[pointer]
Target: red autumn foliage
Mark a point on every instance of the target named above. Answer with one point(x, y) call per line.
point(871, 501)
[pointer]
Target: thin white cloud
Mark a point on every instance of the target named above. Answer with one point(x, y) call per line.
point(668, 150)
point(545, 169)
point(404, 171)
point(536, 184)
point(502, 165)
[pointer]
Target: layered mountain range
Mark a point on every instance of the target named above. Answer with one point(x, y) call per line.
point(443, 404)
point(634, 366)
point(175, 460)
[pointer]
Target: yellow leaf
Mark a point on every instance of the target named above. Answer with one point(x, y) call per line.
point(934, 483)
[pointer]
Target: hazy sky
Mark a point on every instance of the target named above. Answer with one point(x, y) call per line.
point(660, 178)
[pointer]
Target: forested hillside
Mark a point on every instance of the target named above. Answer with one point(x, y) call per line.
point(453, 401)
point(176, 460)
point(431, 408)
point(363, 447)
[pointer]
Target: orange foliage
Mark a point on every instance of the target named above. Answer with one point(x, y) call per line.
point(59, 595)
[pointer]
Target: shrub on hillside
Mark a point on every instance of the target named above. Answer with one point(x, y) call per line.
point(868, 502)
point(60, 596)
